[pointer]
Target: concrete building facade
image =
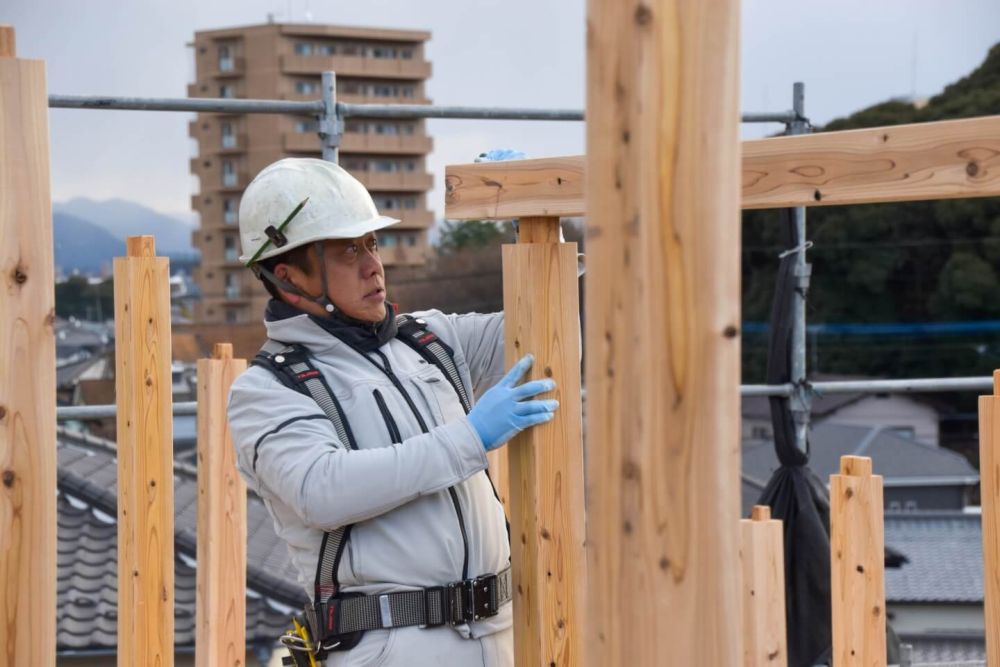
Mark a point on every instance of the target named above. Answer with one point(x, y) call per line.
point(285, 61)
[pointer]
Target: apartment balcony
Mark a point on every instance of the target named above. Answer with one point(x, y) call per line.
point(234, 181)
point(227, 67)
point(398, 181)
point(348, 98)
point(397, 144)
point(389, 68)
point(411, 219)
point(230, 144)
point(399, 255)
point(300, 142)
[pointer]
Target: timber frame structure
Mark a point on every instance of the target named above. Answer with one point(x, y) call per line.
point(668, 569)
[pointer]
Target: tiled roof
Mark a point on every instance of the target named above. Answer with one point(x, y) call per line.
point(944, 551)
point(895, 457)
point(948, 650)
point(87, 561)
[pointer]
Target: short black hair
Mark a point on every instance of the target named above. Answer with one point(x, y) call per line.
point(299, 257)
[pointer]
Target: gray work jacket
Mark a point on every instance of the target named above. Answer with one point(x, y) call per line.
point(408, 531)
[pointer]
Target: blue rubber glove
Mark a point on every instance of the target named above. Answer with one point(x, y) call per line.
point(503, 410)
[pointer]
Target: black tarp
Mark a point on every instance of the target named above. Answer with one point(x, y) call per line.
point(796, 495)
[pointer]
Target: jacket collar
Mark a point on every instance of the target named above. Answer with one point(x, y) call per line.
point(288, 324)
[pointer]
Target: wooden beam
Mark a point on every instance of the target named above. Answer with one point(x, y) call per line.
point(763, 560)
point(145, 456)
point(546, 503)
point(941, 160)
point(662, 332)
point(989, 470)
point(857, 559)
point(27, 367)
point(220, 636)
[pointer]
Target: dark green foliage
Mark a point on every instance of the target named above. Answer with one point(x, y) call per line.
point(77, 298)
point(458, 235)
point(909, 262)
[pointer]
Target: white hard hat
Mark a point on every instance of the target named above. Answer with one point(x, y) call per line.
point(336, 206)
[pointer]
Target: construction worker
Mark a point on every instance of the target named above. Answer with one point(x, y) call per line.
point(366, 435)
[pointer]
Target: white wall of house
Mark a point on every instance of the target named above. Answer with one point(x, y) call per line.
point(895, 411)
point(909, 619)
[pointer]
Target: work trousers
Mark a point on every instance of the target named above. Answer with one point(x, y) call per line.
point(428, 647)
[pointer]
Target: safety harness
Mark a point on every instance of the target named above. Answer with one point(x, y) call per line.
point(336, 621)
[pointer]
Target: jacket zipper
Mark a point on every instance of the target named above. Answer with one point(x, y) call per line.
point(390, 423)
point(387, 369)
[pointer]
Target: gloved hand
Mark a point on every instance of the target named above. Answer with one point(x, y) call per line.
point(503, 410)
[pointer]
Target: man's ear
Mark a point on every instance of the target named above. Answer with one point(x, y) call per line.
point(282, 272)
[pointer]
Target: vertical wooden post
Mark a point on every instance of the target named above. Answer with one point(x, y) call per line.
point(145, 456)
point(989, 470)
point(546, 504)
point(27, 367)
point(763, 560)
point(220, 636)
point(857, 564)
point(662, 188)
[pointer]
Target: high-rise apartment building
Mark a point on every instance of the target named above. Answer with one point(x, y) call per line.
point(285, 61)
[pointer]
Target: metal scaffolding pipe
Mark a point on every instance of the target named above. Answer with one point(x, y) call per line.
point(917, 385)
point(200, 104)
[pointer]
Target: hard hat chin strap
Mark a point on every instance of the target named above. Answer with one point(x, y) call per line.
point(323, 301)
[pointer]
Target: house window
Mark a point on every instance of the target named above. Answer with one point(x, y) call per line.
point(303, 49)
point(228, 173)
point(226, 63)
point(895, 506)
point(910, 506)
point(228, 135)
point(760, 433)
point(230, 210)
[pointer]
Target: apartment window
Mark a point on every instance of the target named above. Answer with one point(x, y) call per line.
point(409, 202)
point(409, 166)
point(386, 128)
point(306, 87)
point(350, 49)
point(232, 286)
point(356, 127)
point(227, 90)
point(384, 52)
point(232, 316)
point(408, 129)
point(231, 253)
point(228, 135)
point(407, 91)
point(306, 126)
point(385, 90)
point(387, 240)
point(230, 210)
point(303, 49)
point(406, 54)
point(349, 88)
point(411, 240)
point(386, 166)
point(226, 63)
point(228, 173)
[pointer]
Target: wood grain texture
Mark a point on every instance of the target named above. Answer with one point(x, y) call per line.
point(857, 560)
point(763, 565)
point(662, 328)
point(145, 457)
point(27, 371)
point(989, 471)
point(220, 635)
point(546, 504)
point(941, 160)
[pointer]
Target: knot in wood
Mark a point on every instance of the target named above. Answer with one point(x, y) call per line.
point(3, 412)
point(20, 277)
point(643, 15)
point(8, 478)
point(972, 169)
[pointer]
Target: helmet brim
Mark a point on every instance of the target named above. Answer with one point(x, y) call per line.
point(353, 231)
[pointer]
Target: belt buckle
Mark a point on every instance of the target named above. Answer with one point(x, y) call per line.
point(480, 597)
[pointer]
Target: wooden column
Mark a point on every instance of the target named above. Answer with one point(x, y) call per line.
point(220, 636)
point(546, 504)
point(145, 456)
point(989, 470)
point(857, 564)
point(662, 188)
point(763, 560)
point(27, 367)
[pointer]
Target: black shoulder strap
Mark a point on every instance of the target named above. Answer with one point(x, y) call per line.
point(414, 332)
point(292, 366)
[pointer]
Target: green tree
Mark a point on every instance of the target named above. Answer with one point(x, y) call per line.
point(459, 235)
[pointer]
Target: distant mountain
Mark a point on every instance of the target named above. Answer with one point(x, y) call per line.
point(123, 218)
point(82, 246)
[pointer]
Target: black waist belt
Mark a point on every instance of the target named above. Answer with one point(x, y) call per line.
point(454, 604)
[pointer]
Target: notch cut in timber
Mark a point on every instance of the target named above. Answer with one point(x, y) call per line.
point(940, 160)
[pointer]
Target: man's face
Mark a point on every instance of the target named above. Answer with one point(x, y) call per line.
point(355, 279)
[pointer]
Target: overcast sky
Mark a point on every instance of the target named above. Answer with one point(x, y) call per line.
point(530, 53)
